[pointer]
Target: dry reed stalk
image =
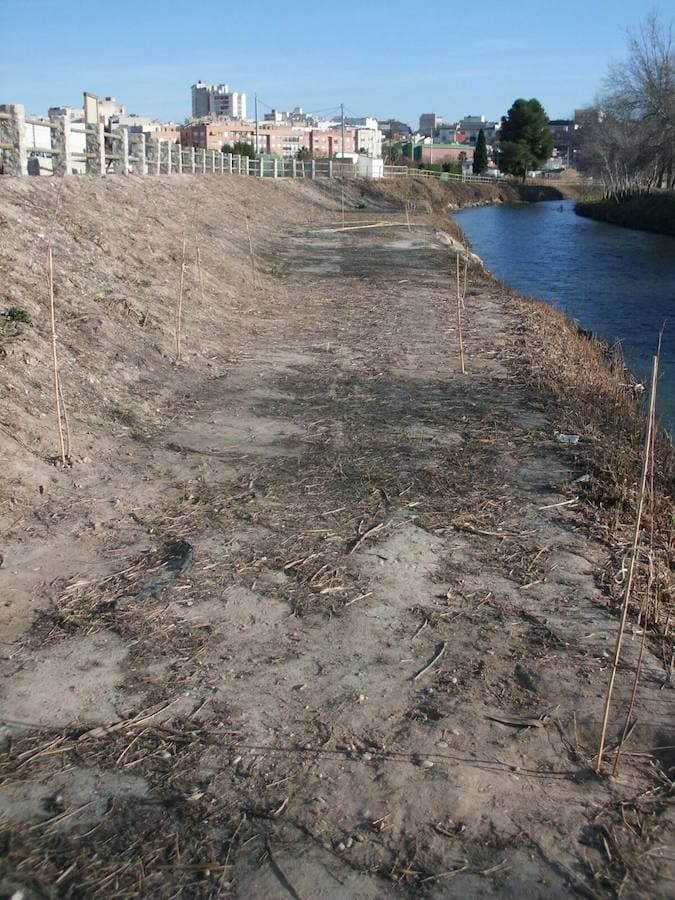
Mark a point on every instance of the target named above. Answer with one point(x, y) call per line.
point(179, 301)
point(459, 321)
point(407, 215)
point(252, 254)
point(631, 569)
point(57, 390)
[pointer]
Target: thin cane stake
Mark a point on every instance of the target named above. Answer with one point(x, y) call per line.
point(65, 421)
point(645, 604)
point(459, 322)
point(631, 568)
point(252, 254)
point(199, 273)
point(466, 269)
point(57, 393)
point(179, 302)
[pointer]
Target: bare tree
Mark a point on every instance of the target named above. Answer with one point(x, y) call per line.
point(633, 147)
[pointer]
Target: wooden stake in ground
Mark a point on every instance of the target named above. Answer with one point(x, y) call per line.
point(460, 302)
point(179, 301)
point(57, 385)
point(631, 568)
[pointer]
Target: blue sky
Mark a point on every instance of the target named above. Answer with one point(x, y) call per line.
point(394, 59)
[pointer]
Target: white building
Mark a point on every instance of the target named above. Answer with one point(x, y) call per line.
point(217, 100)
point(469, 126)
point(368, 141)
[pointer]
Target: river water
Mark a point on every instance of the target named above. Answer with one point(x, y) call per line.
point(616, 282)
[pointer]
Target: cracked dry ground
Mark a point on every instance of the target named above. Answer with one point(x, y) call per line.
point(384, 674)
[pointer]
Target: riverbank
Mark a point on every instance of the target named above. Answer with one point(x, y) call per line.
point(654, 211)
point(309, 606)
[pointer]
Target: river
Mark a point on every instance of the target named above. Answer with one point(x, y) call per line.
point(616, 282)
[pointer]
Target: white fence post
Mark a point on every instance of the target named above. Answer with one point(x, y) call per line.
point(120, 148)
point(62, 161)
point(138, 158)
point(191, 160)
point(221, 162)
point(229, 163)
point(13, 139)
point(312, 167)
point(95, 149)
point(330, 168)
point(294, 168)
point(177, 151)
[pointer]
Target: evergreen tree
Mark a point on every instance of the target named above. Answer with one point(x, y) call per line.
point(525, 138)
point(480, 155)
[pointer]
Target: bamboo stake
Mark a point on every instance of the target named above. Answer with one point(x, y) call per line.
point(466, 271)
point(65, 420)
point(459, 322)
point(199, 272)
point(179, 302)
point(645, 604)
point(57, 392)
point(252, 254)
point(631, 568)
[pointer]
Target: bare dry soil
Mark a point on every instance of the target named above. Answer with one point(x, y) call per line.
point(309, 613)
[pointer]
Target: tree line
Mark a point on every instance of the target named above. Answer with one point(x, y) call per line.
point(631, 144)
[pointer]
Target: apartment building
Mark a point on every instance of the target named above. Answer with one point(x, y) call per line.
point(284, 139)
point(217, 100)
point(430, 123)
point(469, 127)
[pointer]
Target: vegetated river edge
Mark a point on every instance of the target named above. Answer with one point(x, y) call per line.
point(383, 674)
point(650, 211)
point(617, 283)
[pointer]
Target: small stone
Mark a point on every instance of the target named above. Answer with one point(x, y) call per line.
point(427, 764)
point(367, 756)
point(341, 847)
point(443, 744)
point(349, 842)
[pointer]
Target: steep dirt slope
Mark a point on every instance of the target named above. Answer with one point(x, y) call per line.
point(311, 613)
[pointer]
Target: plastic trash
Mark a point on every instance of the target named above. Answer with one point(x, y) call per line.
point(566, 438)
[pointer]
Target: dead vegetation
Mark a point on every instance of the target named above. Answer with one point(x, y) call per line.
point(384, 658)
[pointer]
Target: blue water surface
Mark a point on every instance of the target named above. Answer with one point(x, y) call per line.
point(616, 282)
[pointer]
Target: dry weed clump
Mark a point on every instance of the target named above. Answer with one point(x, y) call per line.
point(595, 397)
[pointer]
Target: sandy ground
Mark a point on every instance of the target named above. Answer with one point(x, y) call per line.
point(377, 667)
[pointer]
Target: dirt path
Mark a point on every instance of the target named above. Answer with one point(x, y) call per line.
point(384, 672)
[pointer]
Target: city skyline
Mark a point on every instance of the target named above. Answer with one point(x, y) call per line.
point(383, 60)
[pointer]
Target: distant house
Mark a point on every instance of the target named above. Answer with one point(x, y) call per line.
point(441, 153)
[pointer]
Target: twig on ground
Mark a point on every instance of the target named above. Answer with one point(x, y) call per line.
point(433, 662)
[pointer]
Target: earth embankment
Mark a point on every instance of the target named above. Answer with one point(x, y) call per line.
point(652, 211)
point(309, 611)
